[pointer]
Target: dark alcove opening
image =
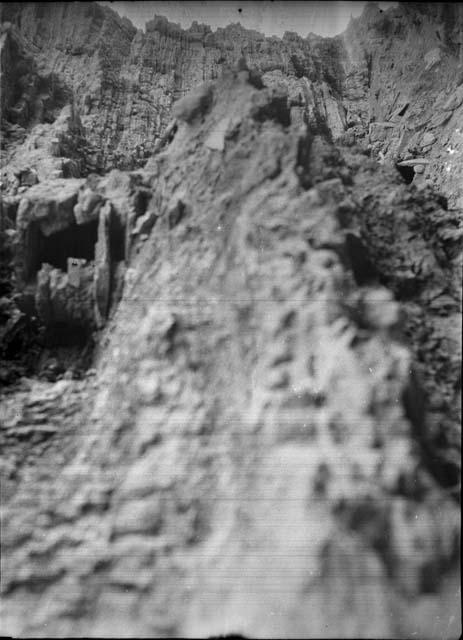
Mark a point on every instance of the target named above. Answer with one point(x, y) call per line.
point(62, 334)
point(403, 110)
point(407, 173)
point(76, 241)
point(117, 239)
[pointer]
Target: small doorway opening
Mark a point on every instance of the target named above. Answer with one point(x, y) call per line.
point(407, 173)
point(76, 241)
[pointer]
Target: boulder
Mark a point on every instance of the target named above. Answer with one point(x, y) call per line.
point(50, 204)
point(216, 138)
point(428, 139)
point(194, 104)
point(88, 205)
point(432, 57)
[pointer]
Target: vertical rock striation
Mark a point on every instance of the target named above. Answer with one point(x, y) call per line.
point(393, 78)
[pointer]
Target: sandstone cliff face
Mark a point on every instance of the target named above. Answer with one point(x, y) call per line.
point(268, 441)
point(124, 81)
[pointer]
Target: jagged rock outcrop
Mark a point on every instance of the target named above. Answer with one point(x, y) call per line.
point(268, 443)
point(71, 241)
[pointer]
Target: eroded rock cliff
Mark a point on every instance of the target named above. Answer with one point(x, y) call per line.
point(268, 440)
point(393, 77)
